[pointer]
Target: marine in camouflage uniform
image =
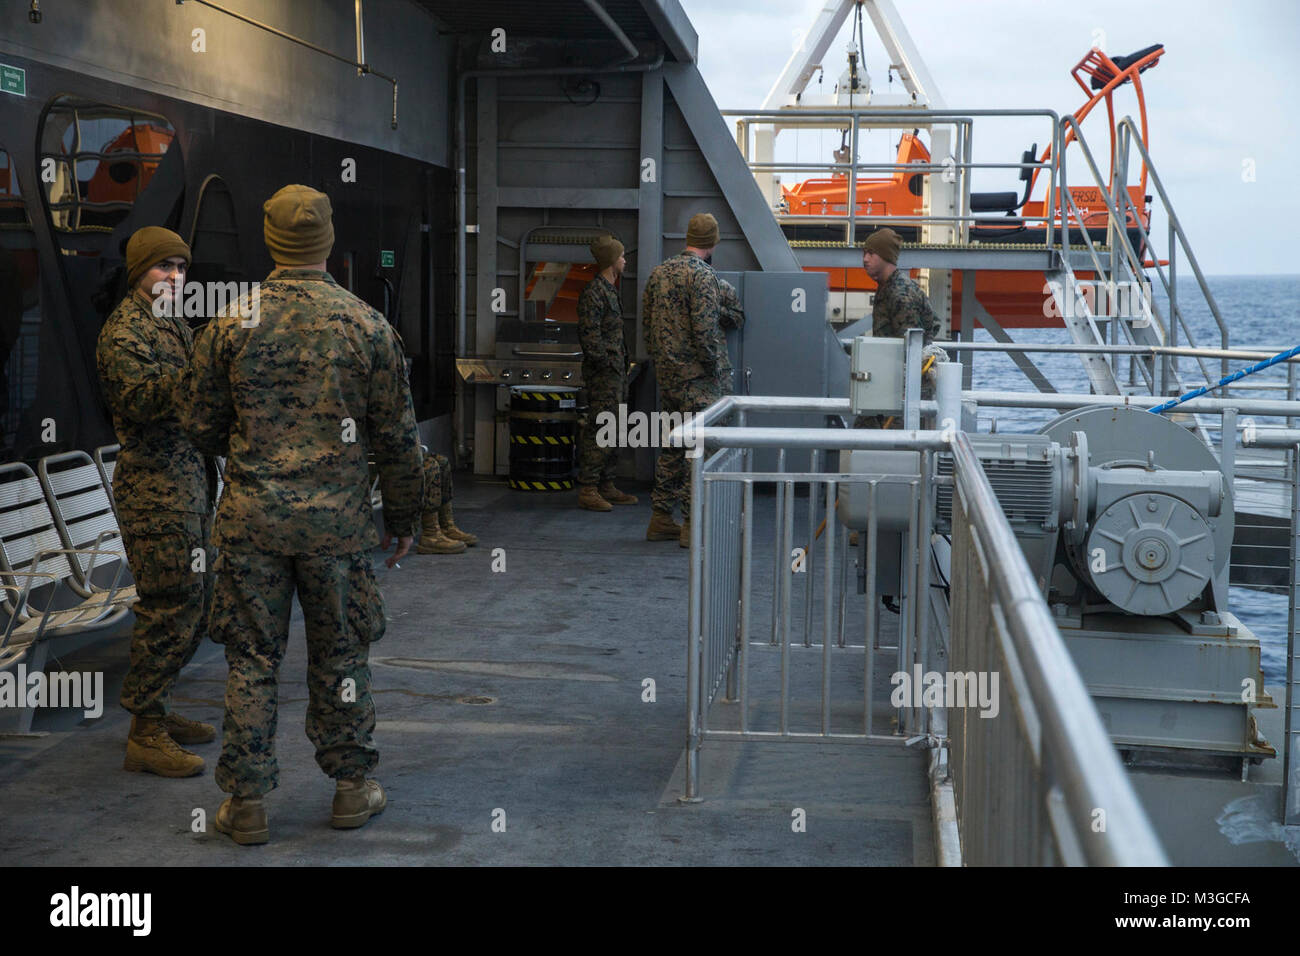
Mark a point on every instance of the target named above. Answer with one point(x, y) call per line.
point(683, 312)
point(604, 376)
point(300, 393)
point(438, 531)
point(900, 304)
point(437, 481)
point(164, 490)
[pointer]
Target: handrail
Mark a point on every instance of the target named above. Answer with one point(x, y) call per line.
point(1227, 380)
point(857, 119)
point(1175, 311)
point(1117, 203)
point(1082, 753)
point(1068, 401)
point(1112, 208)
point(1066, 205)
point(1149, 350)
point(1085, 771)
point(1127, 127)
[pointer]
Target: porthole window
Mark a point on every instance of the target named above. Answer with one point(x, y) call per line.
point(96, 160)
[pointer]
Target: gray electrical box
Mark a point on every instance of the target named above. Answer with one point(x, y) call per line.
point(781, 350)
point(877, 376)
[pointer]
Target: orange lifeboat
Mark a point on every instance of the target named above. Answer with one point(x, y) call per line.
point(122, 179)
point(1015, 298)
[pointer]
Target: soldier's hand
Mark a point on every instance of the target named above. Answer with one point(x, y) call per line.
point(403, 548)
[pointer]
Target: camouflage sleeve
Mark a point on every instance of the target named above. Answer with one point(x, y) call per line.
point(647, 307)
point(931, 324)
point(732, 315)
point(134, 379)
point(590, 311)
point(206, 408)
point(615, 347)
point(393, 436)
point(923, 316)
point(705, 303)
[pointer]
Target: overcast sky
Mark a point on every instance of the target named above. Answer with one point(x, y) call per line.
point(1224, 93)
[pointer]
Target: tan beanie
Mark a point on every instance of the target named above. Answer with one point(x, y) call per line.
point(150, 246)
point(605, 251)
point(885, 243)
point(702, 233)
point(298, 227)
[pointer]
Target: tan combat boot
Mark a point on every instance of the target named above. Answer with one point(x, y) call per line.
point(150, 748)
point(590, 498)
point(449, 529)
point(356, 801)
point(662, 527)
point(432, 540)
point(684, 537)
point(243, 819)
point(186, 731)
point(614, 496)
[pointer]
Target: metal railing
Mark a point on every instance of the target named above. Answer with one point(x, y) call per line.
point(1125, 264)
point(1065, 769)
point(1061, 217)
point(1289, 440)
point(1118, 239)
point(1130, 138)
point(724, 609)
point(1288, 410)
point(1032, 783)
point(959, 165)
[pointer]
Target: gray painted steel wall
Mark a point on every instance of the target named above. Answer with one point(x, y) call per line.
point(147, 44)
point(543, 154)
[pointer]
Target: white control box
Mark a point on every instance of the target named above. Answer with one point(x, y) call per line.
point(876, 386)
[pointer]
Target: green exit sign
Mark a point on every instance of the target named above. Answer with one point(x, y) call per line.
point(13, 79)
point(387, 259)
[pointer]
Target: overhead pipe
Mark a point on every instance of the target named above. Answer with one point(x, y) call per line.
point(614, 28)
point(361, 39)
point(362, 67)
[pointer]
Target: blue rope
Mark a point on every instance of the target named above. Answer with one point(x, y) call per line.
point(1227, 380)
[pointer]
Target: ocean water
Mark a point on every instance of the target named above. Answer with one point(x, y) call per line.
point(1260, 312)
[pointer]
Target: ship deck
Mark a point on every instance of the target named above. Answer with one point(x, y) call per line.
point(519, 691)
point(522, 691)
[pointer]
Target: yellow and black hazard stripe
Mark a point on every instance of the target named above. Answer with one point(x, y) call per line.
point(542, 439)
point(541, 396)
point(522, 484)
point(542, 400)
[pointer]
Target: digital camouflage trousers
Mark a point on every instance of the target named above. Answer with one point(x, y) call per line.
point(597, 465)
point(344, 613)
point(171, 560)
point(437, 481)
point(673, 470)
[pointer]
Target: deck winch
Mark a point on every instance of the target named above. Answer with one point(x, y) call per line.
point(1126, 520)
point(1154, 520)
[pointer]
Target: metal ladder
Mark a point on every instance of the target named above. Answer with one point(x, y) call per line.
point(1121, 267)
point(1117, 267)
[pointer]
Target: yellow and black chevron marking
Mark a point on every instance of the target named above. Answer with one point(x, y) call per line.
point(519, 484)
point(537, 440)
point(543, 396)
